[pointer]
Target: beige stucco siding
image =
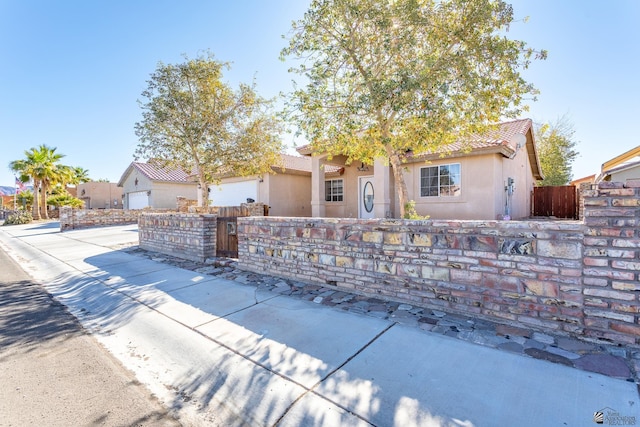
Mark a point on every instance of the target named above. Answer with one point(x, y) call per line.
point(519, 169)
point(164, 194)
point(348, 208)
point(130, 185)
point(100, 195)
point(287, 194)
point(482, 194)
point(623, 176)
point(477, 194)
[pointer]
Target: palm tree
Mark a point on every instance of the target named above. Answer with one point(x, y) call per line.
point(66, 176)
point(27, 169)
point(42, 166)
point(81, 175)
point(50, 172)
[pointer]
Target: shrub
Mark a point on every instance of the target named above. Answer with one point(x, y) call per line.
point(19, 217)
point(64, 199)
point(410, 211)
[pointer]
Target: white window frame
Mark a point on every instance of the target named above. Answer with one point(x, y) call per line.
point(333, 194)
point(440, 186)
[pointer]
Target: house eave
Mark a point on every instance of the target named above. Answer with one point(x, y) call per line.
point(622, 167)
point(289, 171)
point(305, 150)
point(503, 150)
point(622, 158)
point(125, 175)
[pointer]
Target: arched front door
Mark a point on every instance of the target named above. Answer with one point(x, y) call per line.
point(365, 194)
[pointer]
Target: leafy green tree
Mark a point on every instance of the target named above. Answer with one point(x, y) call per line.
point(194, 121)
point(556, 151)
point(384, 78)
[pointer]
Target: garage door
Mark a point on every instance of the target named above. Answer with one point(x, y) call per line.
point(138, 200)
point(233, 193)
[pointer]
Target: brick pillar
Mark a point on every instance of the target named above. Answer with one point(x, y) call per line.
point(611, 275)
point(66, 218)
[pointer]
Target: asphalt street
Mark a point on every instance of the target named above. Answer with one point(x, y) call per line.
point(52, 373)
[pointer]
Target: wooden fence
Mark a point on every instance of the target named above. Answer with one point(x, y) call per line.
point(555, 201)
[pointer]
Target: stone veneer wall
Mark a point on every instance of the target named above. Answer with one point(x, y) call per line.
point(189, 236)
point(611, 275)
point(71, 219)
point(575, 278)
point(183, 204)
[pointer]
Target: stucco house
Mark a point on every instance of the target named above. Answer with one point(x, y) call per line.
point(621, 168)
point(618, 169)
point(489, 177)
point(287, 191)
point(100, 195)
point(149, 185)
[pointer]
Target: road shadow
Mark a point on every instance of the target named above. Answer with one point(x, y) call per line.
point(29, 315)
point(46, 225)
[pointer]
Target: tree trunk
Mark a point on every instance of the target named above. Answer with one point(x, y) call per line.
point(400, 184)
point(36, 201)
point(43, 205)
point(204, 189)
point(205, 194)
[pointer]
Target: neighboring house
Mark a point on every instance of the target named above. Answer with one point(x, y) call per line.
point(149, 185)
point(489, 177)
point(621, 168)
point(287, 191)
point(6, 202)
point(100, 195)
point(580, 182)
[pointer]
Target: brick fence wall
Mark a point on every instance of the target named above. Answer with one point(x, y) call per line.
point(189, 236)
point(576, 278)
point(71, 219)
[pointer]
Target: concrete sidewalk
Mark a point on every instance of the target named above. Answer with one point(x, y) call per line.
point(218, 352)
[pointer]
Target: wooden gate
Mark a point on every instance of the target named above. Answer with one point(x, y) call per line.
point(556, 201)
point(227, 230)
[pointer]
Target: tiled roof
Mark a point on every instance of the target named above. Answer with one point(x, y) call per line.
point(305, 150)
point(156, 173)
point(302, 164)
point(503, 136)
point(296, 163)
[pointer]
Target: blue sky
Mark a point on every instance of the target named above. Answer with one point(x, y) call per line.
point(73, 70)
